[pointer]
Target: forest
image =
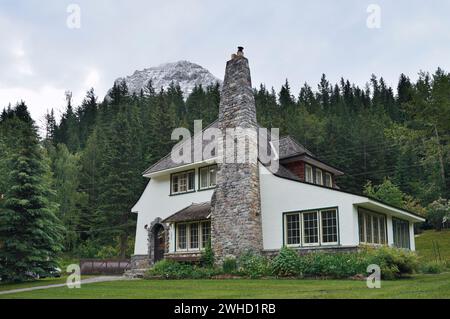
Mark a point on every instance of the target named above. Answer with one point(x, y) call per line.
point(69, 191)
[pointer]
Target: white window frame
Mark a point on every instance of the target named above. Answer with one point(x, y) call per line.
point(208, 176)
point(330, 179)
point(188, 236)
point(320, 241)
point(309, 173)
point(319, 172)
point(182, 176)
point(365, 214)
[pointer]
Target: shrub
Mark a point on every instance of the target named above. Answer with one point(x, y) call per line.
point(171, 270)
point(253, 266)
point(393, 262)
point(207, 258)
point(339, 265)
point(433, 267)
point(437, 212)
point(286, 264)
point(229, 265)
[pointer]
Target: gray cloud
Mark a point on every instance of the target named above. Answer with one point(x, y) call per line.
point(40, 57)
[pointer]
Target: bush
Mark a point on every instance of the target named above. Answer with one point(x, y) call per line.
point(338, 265)
point(169, 269)
point(253, 266)
point(229, 266)
point(433, 267)
point(393, 262)
point(207, 258)
point(286, 264)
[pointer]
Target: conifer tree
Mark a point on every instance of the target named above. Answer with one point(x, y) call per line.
point(30, 232)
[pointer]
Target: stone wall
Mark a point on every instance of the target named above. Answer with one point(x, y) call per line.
point(236, 206)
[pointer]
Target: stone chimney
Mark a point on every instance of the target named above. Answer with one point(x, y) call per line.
point(236, 206)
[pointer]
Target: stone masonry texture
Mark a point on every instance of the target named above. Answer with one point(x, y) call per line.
point(236, 205)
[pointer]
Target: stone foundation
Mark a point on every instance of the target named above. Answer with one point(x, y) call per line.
point(139, 262)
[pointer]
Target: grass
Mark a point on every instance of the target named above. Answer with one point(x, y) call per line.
point(35, 283)
point(424, 245)
point(418, 286)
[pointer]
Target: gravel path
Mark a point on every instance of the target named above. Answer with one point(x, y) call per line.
point(83, 281)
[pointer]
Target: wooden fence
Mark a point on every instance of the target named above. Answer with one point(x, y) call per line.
point(104, 266)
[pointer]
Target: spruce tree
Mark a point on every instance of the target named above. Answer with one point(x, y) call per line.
point(30, 233)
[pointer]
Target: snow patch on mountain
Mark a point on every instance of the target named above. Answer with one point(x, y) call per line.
point(184, 73)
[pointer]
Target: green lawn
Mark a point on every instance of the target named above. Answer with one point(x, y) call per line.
point(36, 283)
point(419, 286)
point(424, 244)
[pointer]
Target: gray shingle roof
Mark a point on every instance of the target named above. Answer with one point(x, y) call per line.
point(287, 147)
point(194, 212)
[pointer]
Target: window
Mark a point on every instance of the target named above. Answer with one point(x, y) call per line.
point(193, 236)
point(293, 229)
point(309, 174)
point(401, 233)
point(311, 228)
point(372, 229)
point(182, 236)
point(319, 177)
point(206, 233)
point(208, 176)
point(183, 182)
point(329, 226)
point(328, 180)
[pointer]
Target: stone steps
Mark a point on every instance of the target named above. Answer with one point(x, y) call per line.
point(135, 273)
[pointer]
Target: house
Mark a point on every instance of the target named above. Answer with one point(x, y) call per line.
point(242, 206)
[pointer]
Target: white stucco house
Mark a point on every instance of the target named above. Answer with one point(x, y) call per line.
point(298, 205)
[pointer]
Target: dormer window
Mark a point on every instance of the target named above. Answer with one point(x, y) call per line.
point(319, 177)
point(208, 176)
point(328, 180)
point(183, 182)
point(309, 177)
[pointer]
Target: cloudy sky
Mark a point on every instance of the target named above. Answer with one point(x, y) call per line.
point(41, 56)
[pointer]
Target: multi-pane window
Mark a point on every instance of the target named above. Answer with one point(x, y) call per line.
point(193, 236)
point(183, 182)
point(372, 227)
point(309, 177)
point(319, 177)
point(328, 180)
point(293, 229)
point(311, 228)
point(401, 233)
point(182, 236)
point(329, 226)
point(206, 233)
point(208, 176)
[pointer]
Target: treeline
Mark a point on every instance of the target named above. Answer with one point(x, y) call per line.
point(97, 151)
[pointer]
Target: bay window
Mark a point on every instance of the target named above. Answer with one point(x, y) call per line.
point(192, 236)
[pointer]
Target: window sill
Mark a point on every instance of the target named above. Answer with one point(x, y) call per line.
point(184, 193)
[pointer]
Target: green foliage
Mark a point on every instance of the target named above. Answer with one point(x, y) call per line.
point(438, 212)
point(386, 192)
point(30, 232)
point(433, 267)
point(287, 263)
point(394, 263)
point(229, 265)
point(254, 266)
point(336, 265)
point(207, 257)
point(168, 269)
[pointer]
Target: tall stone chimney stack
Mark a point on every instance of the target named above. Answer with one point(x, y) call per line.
point(236, 205)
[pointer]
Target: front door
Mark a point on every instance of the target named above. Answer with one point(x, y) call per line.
point(160, 242)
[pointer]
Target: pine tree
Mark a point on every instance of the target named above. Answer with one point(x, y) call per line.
point(30, 233)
